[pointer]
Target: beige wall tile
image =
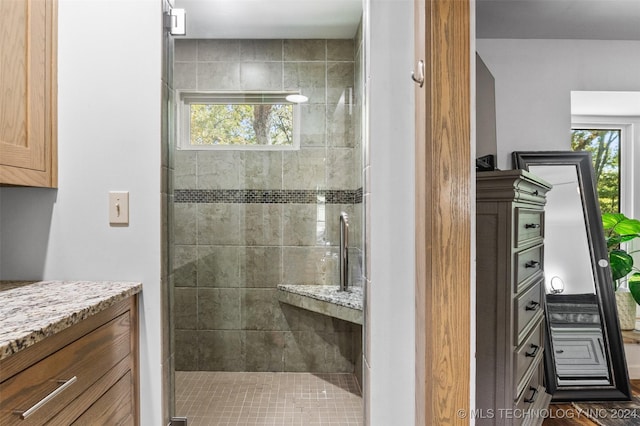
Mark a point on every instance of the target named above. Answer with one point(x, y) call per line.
point(340, 50)
point(219, 309)
point(261, 50)
point(308, 77)
point(304, 50)
point(185, 50)
point(218, 50)
point(219, 76)
point(218, 224)
point(219, 266)
point(262, 225)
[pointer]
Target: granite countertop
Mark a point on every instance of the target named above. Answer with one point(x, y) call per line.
point(31, 311)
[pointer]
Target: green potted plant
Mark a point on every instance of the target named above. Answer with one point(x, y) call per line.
point(620, 229)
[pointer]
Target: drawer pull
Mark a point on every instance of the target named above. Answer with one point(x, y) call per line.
point(64, 385)
point(532, 306)
point(532, 225)
point(535, 193)
point(534, 394)
point(532, 264)
point(560, 351)
point(534, 352)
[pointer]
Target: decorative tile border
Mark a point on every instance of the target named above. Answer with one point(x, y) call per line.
point(268, 196)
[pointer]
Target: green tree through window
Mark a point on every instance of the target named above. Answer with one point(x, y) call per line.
point(604, 146)
point(241, 124)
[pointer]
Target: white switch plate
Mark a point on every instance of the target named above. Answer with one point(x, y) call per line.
point(119, 207)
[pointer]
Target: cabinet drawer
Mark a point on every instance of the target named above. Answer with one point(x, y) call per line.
point(528, 265)
point(113, 408)
point(529, 226)
point(532, 398)
point(528, 309)
point(87, 359)
point(528, 353)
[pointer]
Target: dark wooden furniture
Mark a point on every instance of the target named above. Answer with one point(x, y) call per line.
point(510, 297)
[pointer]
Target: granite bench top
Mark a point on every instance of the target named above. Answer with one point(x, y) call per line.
point(325, 299)
point(31, 311)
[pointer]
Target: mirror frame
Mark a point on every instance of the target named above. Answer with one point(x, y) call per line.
point(619, 389)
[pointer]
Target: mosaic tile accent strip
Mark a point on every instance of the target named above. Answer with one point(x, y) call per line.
point(268, 196)
point(210, 398)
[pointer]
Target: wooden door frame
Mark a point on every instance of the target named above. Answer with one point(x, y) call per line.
point(443, 212)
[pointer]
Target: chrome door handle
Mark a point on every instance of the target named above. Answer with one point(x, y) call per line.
point(420, 77)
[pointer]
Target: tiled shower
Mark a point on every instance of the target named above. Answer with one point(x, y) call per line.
point(243, 222)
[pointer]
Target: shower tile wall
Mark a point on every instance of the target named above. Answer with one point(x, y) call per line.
point(229, 257)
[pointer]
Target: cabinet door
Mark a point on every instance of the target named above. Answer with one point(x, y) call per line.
point(28, 93)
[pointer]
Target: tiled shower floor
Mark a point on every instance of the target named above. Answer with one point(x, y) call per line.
point(223, 399)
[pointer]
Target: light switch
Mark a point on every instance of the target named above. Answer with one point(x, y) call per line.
point(119, 207)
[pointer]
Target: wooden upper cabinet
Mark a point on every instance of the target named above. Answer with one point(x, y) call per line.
point(28, 93)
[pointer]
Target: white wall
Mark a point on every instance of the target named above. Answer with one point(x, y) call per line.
point(391, 362)
point(109, 64)
point(534, 80)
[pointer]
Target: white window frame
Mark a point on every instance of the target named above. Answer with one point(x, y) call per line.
point(184, 98)
point(629, 153)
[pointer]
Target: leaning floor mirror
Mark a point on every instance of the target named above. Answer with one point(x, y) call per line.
point(584, 359)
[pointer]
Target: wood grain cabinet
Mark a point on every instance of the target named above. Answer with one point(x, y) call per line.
point(85, 375)
point(510, 298)
point(28, 93)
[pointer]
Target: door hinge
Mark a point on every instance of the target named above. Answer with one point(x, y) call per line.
point(178, 421)
point(175, 20)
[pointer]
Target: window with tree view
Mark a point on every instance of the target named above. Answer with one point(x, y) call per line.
point(604, 146)
point(237, 121)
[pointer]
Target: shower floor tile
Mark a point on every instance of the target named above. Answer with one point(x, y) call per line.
point(239, 399)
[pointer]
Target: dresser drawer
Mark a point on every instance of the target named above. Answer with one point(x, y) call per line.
point(528, 264)
point(528, 309)
point(532, 399)
point(68, 373)
point(529, 226)
point(528, 353)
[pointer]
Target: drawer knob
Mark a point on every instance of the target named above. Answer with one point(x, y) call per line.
point(533, 396)
point(64, 385)
point(536, 193)
point(532, 264)
point(532, 306)
point(534, 352)
point(532, 225)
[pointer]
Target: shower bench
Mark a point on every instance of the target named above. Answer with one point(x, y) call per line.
point(325, 299)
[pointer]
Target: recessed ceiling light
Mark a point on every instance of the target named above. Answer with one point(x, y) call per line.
point(297, 98)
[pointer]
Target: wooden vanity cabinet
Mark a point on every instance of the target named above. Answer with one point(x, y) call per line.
point(28, 93)
point(90, 368)
point(510, 321)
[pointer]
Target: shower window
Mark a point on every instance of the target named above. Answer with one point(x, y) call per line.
point(238, 120)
